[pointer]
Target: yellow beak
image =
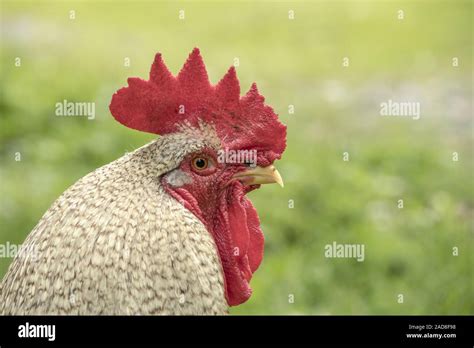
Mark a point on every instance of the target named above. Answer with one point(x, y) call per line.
point(260, 175)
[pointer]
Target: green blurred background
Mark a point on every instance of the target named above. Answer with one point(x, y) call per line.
point(296, 62)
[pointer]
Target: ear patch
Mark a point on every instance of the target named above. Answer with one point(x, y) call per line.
point(178, 178)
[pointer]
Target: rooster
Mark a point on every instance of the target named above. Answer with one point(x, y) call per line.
point(166, 229)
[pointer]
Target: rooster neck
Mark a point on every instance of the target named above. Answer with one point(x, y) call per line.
point(116, 243)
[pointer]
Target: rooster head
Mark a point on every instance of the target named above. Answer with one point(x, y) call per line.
point(220, 146)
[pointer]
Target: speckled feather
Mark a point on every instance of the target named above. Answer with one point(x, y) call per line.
point(116, 243)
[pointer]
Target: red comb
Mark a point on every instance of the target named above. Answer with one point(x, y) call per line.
point(163, 102)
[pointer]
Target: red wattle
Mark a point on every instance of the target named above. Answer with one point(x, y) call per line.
point(237, 234)
point(256, 237)
point(239, 222)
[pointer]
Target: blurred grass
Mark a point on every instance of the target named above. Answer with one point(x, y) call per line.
point(299, 62)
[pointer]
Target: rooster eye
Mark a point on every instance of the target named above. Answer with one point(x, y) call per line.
point(200, 163)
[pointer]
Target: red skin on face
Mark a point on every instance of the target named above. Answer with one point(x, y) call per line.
point(220, 203)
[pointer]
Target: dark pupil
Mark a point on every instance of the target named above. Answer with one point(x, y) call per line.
point(200, 163)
